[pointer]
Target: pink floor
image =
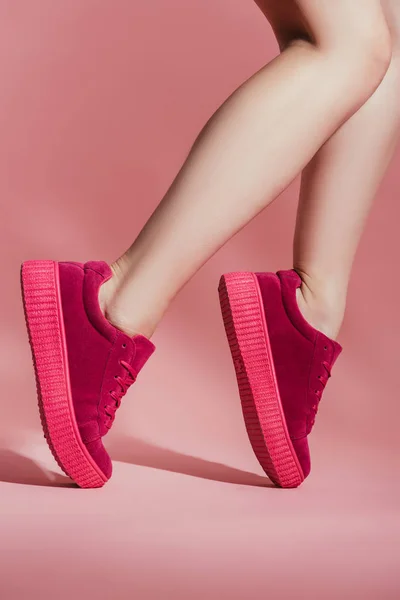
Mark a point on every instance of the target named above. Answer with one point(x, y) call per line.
point(98, 108)
point(157, 533)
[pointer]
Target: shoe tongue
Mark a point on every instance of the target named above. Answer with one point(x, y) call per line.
point(337, 349)
point(100, 267)
point(290, 281)
point(144, 349)
point(96, 273)
point(291, 278)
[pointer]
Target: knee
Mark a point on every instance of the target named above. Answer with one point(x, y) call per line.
point(365, 53)
point(376, 52)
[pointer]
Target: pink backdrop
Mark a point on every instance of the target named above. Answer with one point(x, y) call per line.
point(99, 104)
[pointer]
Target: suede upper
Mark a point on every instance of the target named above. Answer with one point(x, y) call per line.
point(303, 357)
point(103, 361)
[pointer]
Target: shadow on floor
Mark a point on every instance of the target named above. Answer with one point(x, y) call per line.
point(19, 469)
point(138, 452)
point(15, 468)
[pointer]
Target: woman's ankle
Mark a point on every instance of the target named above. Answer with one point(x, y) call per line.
point(109, 289)
point(117, 307)
point(322, 303)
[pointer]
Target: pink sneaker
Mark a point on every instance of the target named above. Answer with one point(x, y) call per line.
point(282, 366)
point(83, 364)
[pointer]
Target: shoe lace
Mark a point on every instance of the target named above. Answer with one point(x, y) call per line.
point(323, 379)
point(124, 383)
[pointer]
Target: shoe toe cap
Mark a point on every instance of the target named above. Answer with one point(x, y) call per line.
point(100, 456)
point(303, 454)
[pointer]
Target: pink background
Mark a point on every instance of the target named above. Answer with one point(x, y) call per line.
point(99, 104)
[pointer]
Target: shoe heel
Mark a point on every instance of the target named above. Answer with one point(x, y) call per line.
point(244, 322)
point(43, 316)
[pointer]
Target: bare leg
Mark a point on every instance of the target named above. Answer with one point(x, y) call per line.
point(250, 150)
point(337, 191)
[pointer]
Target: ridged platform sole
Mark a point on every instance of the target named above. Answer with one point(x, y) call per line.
point(246, 330)
point(44, 320)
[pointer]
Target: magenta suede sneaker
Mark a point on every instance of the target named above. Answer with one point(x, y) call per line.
point(83, 364)
point(282, 366)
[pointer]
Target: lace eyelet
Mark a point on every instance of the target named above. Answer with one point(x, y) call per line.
point(325, 347)
point(115, 376)
point(124, 345)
